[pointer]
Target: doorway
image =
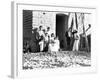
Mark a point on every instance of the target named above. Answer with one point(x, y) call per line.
point(61, 28)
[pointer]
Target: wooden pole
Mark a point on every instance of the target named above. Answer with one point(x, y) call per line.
point(84, 32)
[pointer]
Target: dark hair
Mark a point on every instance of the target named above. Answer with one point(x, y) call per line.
point(43, 30)
point(52, 34)
point(41, 38)
point(48, 27)
point(89, 25)
point(40, 26)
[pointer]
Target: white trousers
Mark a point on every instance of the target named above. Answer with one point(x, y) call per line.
point(76, 45)
point(41, 45)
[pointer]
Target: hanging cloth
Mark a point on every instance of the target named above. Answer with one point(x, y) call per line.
point(72, 22)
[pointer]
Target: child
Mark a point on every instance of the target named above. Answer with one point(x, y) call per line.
point(56, 44)
point(52, 37)
point(51, 46)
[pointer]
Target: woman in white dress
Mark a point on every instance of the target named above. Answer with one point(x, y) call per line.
point(54, 45)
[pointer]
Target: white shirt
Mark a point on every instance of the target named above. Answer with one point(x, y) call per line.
point(49, 33)
point(54, 46)
point(46, 38)
point(41, 33)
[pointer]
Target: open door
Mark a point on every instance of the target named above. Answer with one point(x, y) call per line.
point(61, 27)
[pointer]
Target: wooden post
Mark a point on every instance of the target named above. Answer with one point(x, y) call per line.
point(84, 32)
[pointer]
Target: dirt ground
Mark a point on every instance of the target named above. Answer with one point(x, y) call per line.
point(56, 59)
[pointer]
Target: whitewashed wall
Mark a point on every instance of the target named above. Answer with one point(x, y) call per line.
point(45, 19)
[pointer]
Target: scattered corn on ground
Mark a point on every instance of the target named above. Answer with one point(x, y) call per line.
point(56, 59)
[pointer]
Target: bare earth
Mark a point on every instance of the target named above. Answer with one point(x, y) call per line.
point(56, 59)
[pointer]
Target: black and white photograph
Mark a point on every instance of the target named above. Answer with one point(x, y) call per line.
point(56, 39)
point(53, 39)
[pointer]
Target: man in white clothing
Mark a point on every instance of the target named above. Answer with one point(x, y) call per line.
point(41, 38)
point(76, 41)
point(40, 30)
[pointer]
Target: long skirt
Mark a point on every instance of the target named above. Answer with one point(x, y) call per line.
point(34, 47)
